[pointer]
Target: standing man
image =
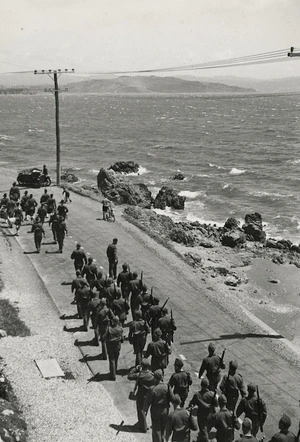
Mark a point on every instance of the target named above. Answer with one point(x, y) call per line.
point(114, 338)
point(61, 232)
point(247, 435)
point(158, 400)
point(167, 325)
point(53, 223)
point(212, 364)
point(62, 210)
point(30, 207)
point(42, 212)
point(224, 422)
point(51, 204)
point(180, 423)
point(14, 192)
point(24, 200)
point(159, 351)
point(134, 288)
point(79, 257)
point(284, 434)
point(39, 232)
point(138, 336)
point(83, 296)
point(144, 379)
point(153, 314)
point(123, 280)
point(78, 283)
point(180, 381)
point(254, 410)
point(45, 170)
point(120, 307)
point(45, 197)
point(102, 320)
point(112, 256)
point(232, 385)
point(90, 270)
point(18, 215)
point(206, 402)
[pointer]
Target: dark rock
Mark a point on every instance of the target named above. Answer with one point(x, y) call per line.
point(295, 248)
point(125, 167)
point(168, 197)
point(278, 259)
point(12, 426)
point(151, 221)
point(68, 176)
point(284, 244)
point(233, 238)
point(233, 280)
point(182, 237)
point(206, 244)
point(274, 281)
point(253, 227)
point(121, 191)
point(231, 224)
point(194, 259)
point(271, 243)
point(220, 270)
point(178, 176)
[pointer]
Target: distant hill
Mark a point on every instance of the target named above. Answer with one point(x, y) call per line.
point(153, 84)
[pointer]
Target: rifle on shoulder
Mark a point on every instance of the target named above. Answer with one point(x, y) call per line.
point(173, 327)
point(259, 411)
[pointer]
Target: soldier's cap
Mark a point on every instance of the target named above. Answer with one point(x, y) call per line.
point(62, 201)
point(90, 259)
point(146, 300)
point(158, 374)
point(138, 314)
point(115, 320)
point(222, 399)
point(176, 399)
point(234, 365)
point(211, 347)
point(178, 362)
point(125, 266)
point(204, 383)
point(165, 310)
point(285, 422)
point(145, 363)
point(158, 332)
point(247, 425)
point(251, 386)
point(134, 274)
point(78, 245)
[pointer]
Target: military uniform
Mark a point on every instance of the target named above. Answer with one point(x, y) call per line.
point(83, 296)
point(14, 193)
point(231, 386)
point(53, 223)
point(134, 288)
point(90, 271)
point(249, 406)
point(103, 316)
point(179, 425)
point(158, 399)
point(284, 436)
point(159, 352)
point(167, 326)
point(123, 281)
point(42, 213)
point(137, 337)
point(80, 258)
point(112, 256)
point(114, 339)
point(212, 364)
point(145, 380)
point(180, 382)
point(225, 422)
point(153, 315)
point(38, 235)
point(61, 231)
point(62, 210)
point(205, 401)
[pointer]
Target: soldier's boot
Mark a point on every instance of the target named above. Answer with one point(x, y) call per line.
point(112, 369)
point(104, 349)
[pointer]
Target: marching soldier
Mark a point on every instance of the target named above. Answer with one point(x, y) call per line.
point(134, 289)
point(83, 296)
point(24, 200)
point(45, 197)
point(159, 351)
point(18, 215)
point(39, 232)
point(114, 338)
point(112, 255)
point(103, 317)
point(90, 270)
point(247, 436)
point(224, 422)
point(78, 283)
point(180, 381)
point(284, 434)
point(79, 257)
point(62, 210)
point(180, 423)
point(53, 223)
point(144, 379)
point(92, 309)
point(42, 212)
point(138, 335)
point(167, 325)
point(61, 232)
point(144, 301)
point(231, 385)
point(206, 402)
point(253, 408)
point(153, 314)
point(120, 307)
point(123, 280)
point(99, 284)
point(212, 364)
point(30, 207)
point(158, 400)
point(14, 192)
point(51, 204)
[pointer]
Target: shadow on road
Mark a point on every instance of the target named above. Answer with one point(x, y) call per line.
point(126, 428)
point(235, 336)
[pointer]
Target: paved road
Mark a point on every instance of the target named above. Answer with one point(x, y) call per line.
point(199, 320)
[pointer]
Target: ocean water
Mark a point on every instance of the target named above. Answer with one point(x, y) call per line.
point(239, 154)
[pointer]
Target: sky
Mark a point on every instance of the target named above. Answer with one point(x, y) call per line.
point(121, 35)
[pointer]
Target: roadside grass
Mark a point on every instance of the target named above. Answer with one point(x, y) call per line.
point(10, 321)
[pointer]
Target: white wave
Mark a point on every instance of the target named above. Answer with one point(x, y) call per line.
point(215, 165)
point(272, 194)
point(142, 170)
point(235, 171)
point(94, 171)
point(3, 162)
point(6, 137)
point(193, 218)
point(297, 161)
point(189, 194)
point(225, 186)
point(203, 175)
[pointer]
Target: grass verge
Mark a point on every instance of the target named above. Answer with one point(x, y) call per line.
point(10, 321)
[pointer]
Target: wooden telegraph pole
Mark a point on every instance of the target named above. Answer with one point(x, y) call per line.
point(54, 75)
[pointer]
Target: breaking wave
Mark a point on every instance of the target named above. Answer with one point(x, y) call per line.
point(235, 171)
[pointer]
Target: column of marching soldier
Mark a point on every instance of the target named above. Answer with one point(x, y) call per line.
point(107, 300)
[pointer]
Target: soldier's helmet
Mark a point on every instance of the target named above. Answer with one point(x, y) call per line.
point(233, 364)
point(222, 400)
point(204, 383)
point(285, 422)
point(211, 347)
point(144, 288)
point(251, 387)
point(125, 266)
point(138, 315)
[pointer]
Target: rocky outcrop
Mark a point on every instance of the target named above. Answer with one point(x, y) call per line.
point(233, 238)
point(281, 244)
point(150, 221)
point(231, 223)
point(253, 227)
point(121, 191)
point(68, 176)
point(178, 176)
point(168, 197)
point(181, 236)
point(125, 167)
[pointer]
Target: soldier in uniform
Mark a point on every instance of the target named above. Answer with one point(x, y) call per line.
point(42, 212)
point(78, 283)
point(134, 289)
point(249, 405)
point(167, 325)
point(79, 257)
point(14, 192)
point(153, 314)
point(114, 338)
point(45, 197)
point(92, 309)
point(144, 301)
point(158, 400)
point(103, 317)
point(138, 331)
point(83, 296)
point(231, 385)
point(5, 200)
point(123, 280)
point(112, 255)
point(180, 423)
point(212, 364)
point(11, 206)
point(206, 402)
point(120, 307)
point(90, 270)
point(247, 436)
point(159, 351)
point(99, 284)
point(62, 210)
point(180, 381)
point(39, 232)
point(30, 207)
point(51, 204)
point(224, 422)
point(284, 434)
point(61, 232)
point(144, 379)
point(18, 215)
point(111, 291)
point(52, 223)
point(24, 200)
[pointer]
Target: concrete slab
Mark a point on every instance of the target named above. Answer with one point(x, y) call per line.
point(49, 368)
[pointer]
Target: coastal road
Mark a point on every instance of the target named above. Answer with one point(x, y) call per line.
point(199, 318)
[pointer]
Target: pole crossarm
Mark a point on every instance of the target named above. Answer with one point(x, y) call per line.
point(292, 53)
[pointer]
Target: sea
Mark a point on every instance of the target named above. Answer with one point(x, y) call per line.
point(240, 154)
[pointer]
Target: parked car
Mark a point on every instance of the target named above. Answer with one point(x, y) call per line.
point(33, 178)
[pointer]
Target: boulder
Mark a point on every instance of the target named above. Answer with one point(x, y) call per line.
point(193, 259)
point(231, 224)
point(12, 426)
point(233, 238)
point(178, 176)
point(253, 227)
point(233, 280)
point(168, 197)
point(151, 221)
point(125, 167)
point(182, 237)
point(68, 176)
point(295, 248)
point(121, 191)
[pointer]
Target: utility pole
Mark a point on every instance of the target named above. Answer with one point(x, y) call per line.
point(54, 75)
point(292, 53)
